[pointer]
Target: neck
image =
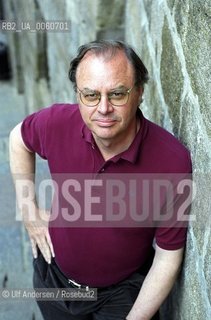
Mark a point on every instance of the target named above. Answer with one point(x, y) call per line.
point(110, 147)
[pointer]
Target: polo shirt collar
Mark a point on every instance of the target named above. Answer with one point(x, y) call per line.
point(133, 151)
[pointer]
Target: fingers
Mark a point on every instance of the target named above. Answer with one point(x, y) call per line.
point(39, 236)
point(43, 242)
point(48, 238)
point(34, 248)
point(44, 248)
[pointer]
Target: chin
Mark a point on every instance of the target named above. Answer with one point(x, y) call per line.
point(104, 136)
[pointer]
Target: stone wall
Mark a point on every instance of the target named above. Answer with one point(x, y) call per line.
point(40, 61)
point(173, 39)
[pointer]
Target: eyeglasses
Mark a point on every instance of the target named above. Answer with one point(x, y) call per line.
point(117, 97)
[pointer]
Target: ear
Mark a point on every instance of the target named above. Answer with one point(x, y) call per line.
point(77, 97)
point(141, 91)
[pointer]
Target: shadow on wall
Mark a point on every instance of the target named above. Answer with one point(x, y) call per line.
point(5, 67)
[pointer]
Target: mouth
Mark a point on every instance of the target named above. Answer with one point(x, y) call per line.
point(105, 122)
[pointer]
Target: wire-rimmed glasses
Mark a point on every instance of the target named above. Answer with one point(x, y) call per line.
point(117, 97)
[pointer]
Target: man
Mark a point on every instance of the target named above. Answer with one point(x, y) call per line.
point(105, 133)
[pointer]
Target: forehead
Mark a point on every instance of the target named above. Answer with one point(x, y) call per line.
point(105, 69)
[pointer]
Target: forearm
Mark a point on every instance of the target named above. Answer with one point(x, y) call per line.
point(156, 287)
point(22, 164)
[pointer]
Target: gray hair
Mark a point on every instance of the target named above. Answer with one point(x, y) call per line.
point(110, 47)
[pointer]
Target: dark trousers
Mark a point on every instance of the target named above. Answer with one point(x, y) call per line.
point(113, 303)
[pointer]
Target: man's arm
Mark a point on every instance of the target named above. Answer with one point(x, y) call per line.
point(22, 164)
point(157, 284)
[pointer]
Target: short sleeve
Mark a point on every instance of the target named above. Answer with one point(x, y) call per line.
point(34, 131)
point(171, 232)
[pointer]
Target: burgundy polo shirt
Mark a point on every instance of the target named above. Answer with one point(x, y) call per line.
point(101, 256)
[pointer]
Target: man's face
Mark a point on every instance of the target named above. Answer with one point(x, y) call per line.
point(108, 123)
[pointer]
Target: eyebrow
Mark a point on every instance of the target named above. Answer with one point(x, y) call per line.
point(121, 87)
point(88, 89)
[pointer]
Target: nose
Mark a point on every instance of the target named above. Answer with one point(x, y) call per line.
point(104, 105)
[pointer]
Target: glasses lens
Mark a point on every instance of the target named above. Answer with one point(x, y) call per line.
point(90, 99)
point(118, 98)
